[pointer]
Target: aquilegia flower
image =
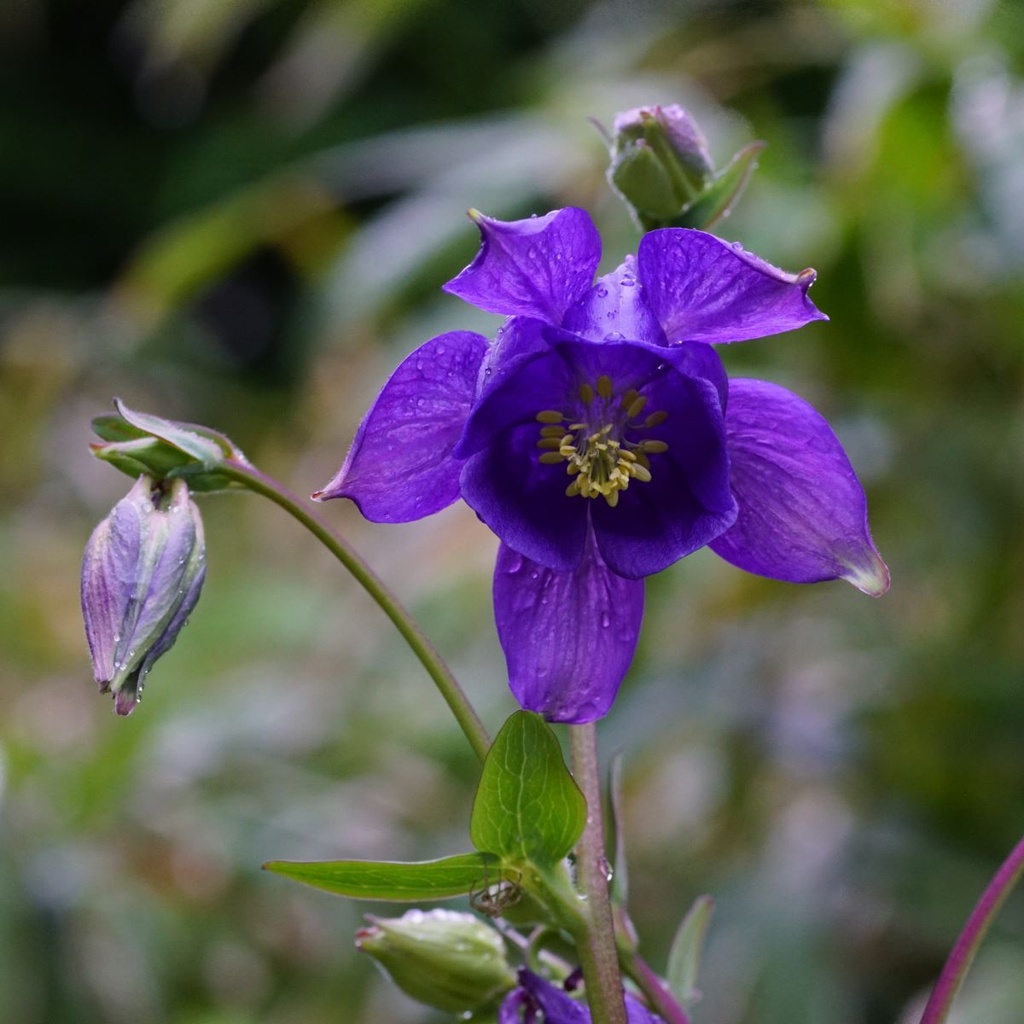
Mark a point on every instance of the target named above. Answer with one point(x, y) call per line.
point(142, 574)
point(601, 440)
point(536, 1001)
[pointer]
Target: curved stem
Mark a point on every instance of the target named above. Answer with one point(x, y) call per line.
point(465, 715)
point(966, 946)
point(598, 954)
point(658, 993)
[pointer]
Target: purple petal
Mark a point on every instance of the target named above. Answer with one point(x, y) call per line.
point(701, 288)
point(553, 1002)
point(400, 466)
point(510, 1011)
point(615, 309)
point(687, 501)
point(568, 637)
point(536, 267)
point(523, 502)
point(108, 581)
point(803, 514)
point(637, 1013)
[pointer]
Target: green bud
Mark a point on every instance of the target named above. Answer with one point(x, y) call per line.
point(445, 959)
point(660, 160)
point(661, 167)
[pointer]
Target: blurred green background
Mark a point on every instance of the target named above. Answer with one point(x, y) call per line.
point(240, 212)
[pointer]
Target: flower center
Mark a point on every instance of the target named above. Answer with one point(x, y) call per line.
point(599, 449)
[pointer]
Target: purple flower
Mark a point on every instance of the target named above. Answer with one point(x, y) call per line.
point(601, 440)
point(536, 1001)
point(142, 574)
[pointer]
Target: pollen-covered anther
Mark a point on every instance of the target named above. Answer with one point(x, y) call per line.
point(550, 416)
point(601, 461)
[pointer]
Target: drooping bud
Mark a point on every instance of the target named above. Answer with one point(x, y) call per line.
point(445, 959)
point(142, 574)
point(661, 167)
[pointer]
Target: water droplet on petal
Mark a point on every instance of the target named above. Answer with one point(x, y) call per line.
point(532, 252)
point(737, 246)
point(602, 292)
point(613, 336)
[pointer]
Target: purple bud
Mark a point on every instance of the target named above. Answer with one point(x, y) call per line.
point(142, 573)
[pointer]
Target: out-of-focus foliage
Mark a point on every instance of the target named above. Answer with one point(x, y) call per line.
point(239, 213)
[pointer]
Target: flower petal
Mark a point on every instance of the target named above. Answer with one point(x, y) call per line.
point(803, 514)
point(556, 1005)
point(701, 288)
point(400, 466)
point(536, 267)
point(568, 637)
point(615, 309)
point(687, 502)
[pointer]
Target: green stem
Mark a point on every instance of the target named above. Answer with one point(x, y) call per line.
point(254, 480)
point(598, 954)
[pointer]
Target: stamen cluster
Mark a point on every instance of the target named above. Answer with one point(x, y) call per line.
point(600, 457)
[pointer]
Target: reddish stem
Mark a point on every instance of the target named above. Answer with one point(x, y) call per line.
point(967, 944)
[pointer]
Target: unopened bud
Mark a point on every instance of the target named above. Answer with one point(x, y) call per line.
point(660, 160)
point(142, 573)
point(445, 959)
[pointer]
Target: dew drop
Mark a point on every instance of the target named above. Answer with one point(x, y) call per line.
point(532, 252)
point(737, 246)
point(439, 349)
point(602, 292)
point(613, 336)
point(606, 620)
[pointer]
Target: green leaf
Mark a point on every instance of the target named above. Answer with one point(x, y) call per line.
point(723, 193)
point(393, 880)
point(684, 956)
point(527, 807)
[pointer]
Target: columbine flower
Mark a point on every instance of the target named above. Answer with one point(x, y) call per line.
point(536, 1001)
point(142, 573)
point(601, 440)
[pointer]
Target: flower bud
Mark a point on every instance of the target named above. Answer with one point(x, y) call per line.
point(142, 573)
point(445, 959)
point(660, 161)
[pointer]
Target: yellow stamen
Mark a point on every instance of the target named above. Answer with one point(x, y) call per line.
point(654, 447)
point(636, 406)
point(601, 457)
